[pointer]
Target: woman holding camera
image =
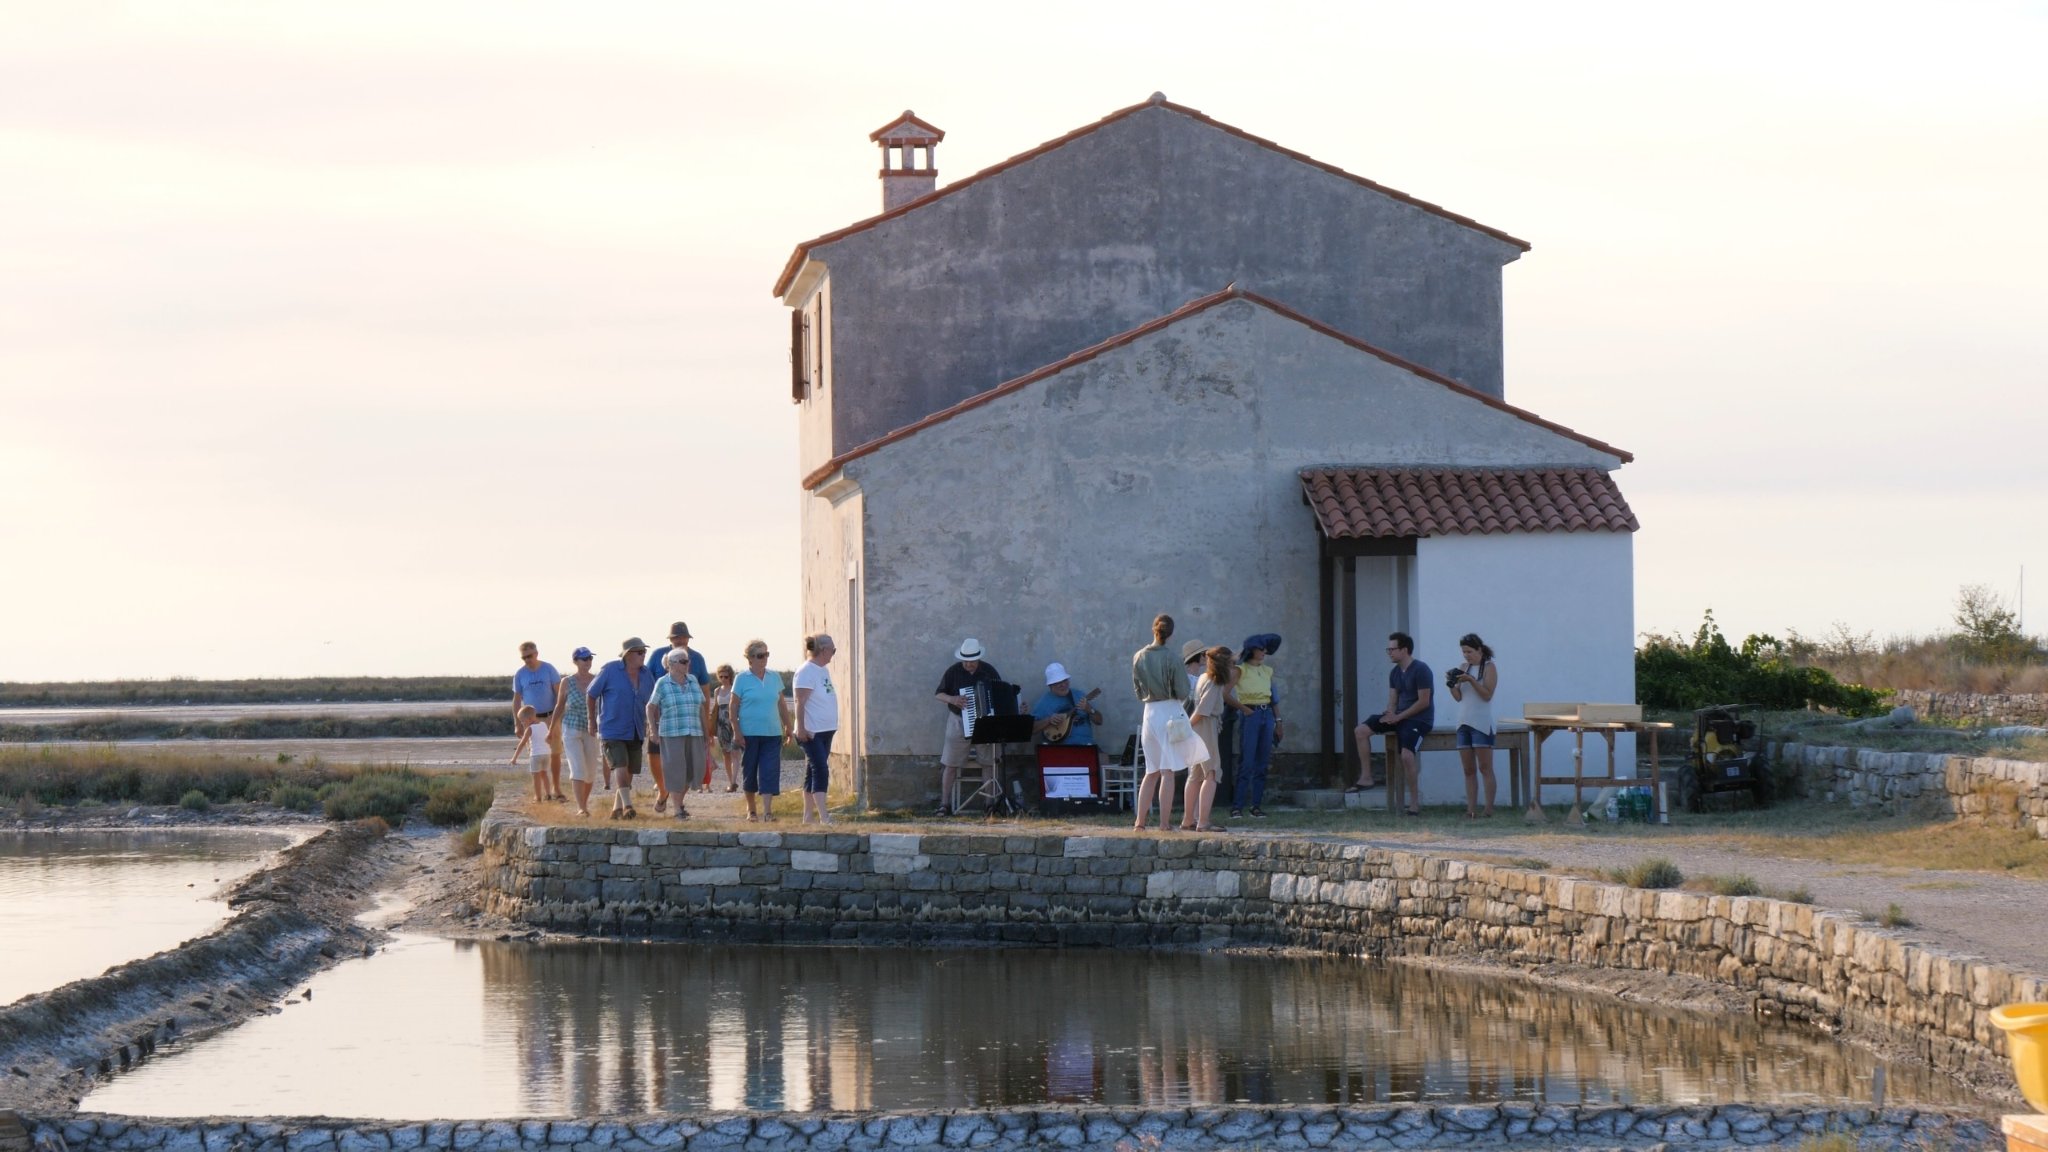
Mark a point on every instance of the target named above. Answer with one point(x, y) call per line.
point(1472, 685)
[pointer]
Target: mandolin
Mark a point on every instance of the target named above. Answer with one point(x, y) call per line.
point(1060, 723)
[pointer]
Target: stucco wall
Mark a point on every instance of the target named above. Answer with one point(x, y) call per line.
point(1053, 523)
point(831, 543)
point(1558, 610)
point(1122, 226)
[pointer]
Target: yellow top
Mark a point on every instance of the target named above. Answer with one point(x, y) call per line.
point(1254, 684)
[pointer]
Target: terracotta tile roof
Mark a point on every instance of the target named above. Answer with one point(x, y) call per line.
point(1232, 292)
point(803, 250)
point(1352, 503)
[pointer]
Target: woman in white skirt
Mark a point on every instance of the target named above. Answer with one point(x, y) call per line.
point(1169, 740)
point(579, 740)
point(1472, 684)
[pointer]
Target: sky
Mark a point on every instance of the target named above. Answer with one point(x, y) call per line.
point(374, 338)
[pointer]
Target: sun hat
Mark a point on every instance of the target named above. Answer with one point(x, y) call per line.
point(631, 643)
point(1056, 672)
point(679, 629)
point(1267, 642)
point(970, 649)
point(1192, 649)
point(582, 654)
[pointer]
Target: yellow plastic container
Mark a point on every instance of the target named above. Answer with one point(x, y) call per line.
point(2026, 1040)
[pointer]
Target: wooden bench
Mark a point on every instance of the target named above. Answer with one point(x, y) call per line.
point(1510, 736)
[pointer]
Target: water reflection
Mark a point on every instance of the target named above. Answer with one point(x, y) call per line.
point(632, 1028)
point(431, 1028)
point(75, 903)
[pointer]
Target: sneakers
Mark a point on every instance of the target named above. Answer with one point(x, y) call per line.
point(945, 809)
point(1237, 813)
point(1257, 813)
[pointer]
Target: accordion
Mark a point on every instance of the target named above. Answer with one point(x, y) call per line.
point(986, 699)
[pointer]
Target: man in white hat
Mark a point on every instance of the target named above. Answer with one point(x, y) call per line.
point(969, 671)
point(1061, 716)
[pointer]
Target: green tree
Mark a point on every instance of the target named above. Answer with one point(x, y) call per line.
point(1988, 631)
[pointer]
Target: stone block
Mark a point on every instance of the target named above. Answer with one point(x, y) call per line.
point(631, 857)
point(714, 877)
point(760, 839)
point(814, 861)
point(1084, 847)
point(894, 843)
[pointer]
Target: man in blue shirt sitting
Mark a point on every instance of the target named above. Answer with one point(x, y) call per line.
point(1060, 717)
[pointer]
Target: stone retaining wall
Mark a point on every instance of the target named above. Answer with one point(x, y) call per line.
point(1977, 789)
point(1136, 891)
point(1990, 709)
point(1090, 1128)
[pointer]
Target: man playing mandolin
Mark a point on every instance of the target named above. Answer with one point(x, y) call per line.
point(1060, 717)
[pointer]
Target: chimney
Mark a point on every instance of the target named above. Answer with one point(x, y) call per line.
point(908, 170)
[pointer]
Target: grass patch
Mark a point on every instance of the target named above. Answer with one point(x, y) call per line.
point(470, 841)
point(1654, 872)
point(108, 729)
point(1799, 894)
point(1739, 884)
point(72, 776)
point(1832, 1142)
point(91, 694)
point(1532, 863)
point(1893, 916)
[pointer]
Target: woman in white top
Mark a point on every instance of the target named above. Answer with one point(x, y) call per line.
point(1472, 685)
point(1212, 693)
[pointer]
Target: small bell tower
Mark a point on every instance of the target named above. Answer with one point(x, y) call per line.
point(905, 174)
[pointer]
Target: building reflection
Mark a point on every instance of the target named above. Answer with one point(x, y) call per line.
point(609, 1028)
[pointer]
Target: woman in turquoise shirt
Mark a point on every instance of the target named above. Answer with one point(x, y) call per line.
point(760, 714)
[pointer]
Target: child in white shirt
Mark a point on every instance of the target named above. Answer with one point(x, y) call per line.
point(533, 734)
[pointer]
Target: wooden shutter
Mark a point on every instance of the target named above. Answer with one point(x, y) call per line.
point(799, 379)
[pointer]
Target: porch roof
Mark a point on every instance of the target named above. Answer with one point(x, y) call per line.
point(1356, 503)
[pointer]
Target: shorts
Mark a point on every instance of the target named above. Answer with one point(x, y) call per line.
point(623, 754)
point(954, 753)
point(682, 761)
point(579, 748)
point(1408, 733)
point(817, 762)
point(1470, 737)
point(761, 765)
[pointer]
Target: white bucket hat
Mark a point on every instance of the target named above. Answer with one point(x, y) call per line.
point(1056, 672)
point(970, 649)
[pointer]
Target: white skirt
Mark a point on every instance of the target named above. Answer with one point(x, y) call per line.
point(1162, 754)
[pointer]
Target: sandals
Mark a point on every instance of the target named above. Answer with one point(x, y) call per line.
point(629, 814)
point(1355, 789)
point(661, 804)
point(682, 813)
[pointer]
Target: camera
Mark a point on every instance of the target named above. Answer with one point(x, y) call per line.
point(1452, 677)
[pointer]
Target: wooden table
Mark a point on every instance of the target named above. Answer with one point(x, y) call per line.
point(1543, 726)
point(1511, 735)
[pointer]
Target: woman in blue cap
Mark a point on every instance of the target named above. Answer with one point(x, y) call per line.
point(1258, 705)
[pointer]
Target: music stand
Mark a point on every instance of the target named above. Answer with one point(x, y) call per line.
point(1006, 726)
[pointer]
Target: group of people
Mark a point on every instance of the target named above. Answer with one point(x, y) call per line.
point(665, 715)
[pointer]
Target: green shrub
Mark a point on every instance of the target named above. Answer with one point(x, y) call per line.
point(387, 795)
point(1675, 674)
point(470, 841)
point(454, 801)
point(1656, 872)
point(1894, 916)
point(1736, 885)
point(294, 797)
point(1798, 894)
point(194, 800)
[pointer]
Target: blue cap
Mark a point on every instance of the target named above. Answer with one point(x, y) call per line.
point(582, 654)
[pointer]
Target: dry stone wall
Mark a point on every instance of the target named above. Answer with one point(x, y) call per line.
point(1977, 789)
point(1989, 709)
point(1135, 891)
point(1104, 1129)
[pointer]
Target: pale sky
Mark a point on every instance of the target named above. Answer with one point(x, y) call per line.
point(331, 333)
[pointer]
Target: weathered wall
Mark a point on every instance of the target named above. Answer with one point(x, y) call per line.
point(830, 537)
point(1525, 1125)
point(1986, 708)
point(1558, 609)
point(1340, 898)
point(1975, 789)
point(1160, 476)
point(1122, 226)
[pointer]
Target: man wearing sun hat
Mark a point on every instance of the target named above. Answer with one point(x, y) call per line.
point(1060, 700)
point(969, 671)
point(657, 663)
point(618, 699)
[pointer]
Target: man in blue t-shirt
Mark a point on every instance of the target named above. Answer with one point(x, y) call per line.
point(534, 686)
point(1059, 700)
point(1410, 714)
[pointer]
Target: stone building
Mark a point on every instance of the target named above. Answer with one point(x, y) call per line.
point(1160, 364)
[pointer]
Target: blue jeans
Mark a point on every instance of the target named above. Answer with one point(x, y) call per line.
point(817, 769)
point(1256, 733)
point(761, 765)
